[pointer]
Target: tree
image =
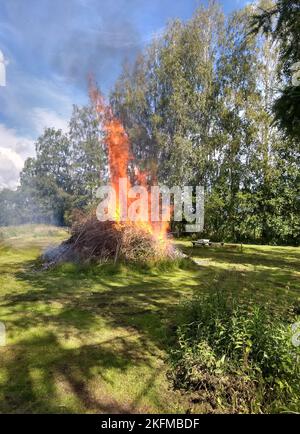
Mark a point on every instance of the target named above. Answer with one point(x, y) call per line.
point(47, 178)
point(282, 21)
point(237, 99)
point(88, 155)
point(166, 100)
point(198, 103)
point(67, 169)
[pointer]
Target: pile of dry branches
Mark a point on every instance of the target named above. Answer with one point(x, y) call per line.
point(95, 241)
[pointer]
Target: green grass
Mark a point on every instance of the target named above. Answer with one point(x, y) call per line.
point(96, 339)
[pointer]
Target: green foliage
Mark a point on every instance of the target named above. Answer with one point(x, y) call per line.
point(281, 20)
point(237, 355)
point(89, 163)
point(64, 174)
point(287, 112)
point(196, 105)
point(106, 329)
point(206, 119)
point(166, 100)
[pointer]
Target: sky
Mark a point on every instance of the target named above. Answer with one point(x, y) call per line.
point(51, 46)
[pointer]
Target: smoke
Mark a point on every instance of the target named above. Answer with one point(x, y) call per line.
point(75, 38)
point(99, 52)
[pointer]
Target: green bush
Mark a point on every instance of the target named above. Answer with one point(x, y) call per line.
point(235, 356)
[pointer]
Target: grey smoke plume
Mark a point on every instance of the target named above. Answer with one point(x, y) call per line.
point(75, 38)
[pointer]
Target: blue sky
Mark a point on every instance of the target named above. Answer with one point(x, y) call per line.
point(51, 47)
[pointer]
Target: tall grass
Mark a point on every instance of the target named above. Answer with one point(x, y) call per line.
point(235, 356)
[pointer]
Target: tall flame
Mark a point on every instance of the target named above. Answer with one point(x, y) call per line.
point(119, 156)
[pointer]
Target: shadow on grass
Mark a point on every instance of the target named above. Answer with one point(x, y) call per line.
point(271, 257)
point(118, 322)
point(34, 379)
point(79, 330)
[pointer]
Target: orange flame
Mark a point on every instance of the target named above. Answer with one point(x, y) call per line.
point(119, 156)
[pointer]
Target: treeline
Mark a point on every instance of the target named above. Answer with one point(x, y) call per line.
point(63, 176)
point(198, 105)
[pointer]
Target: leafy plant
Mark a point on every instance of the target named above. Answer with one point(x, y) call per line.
point(238, 357)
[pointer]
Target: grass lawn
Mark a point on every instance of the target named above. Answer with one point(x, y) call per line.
point(95, 339)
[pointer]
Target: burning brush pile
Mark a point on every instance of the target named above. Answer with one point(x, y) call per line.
point(96, 240)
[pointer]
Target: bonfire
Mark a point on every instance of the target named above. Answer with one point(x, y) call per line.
point(115, 239)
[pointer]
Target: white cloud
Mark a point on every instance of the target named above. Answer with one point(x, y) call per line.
point(29, 103)
point(10, 139)
point(45, 118)
point(10, 166)
point(14, 149)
